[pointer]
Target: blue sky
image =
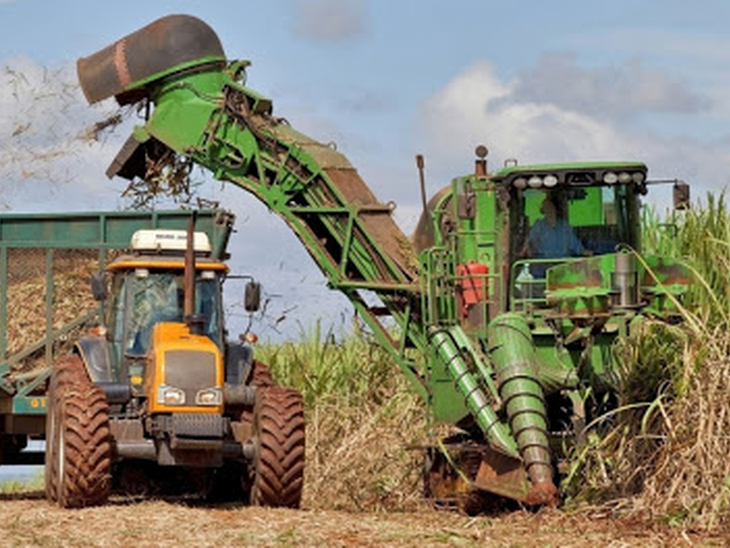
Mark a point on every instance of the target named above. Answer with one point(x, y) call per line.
point(538, 81)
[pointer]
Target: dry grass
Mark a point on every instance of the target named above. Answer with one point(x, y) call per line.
point(362, 422)
point(364, 458)
point(28, 522)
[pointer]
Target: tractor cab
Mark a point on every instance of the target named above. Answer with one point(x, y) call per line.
point(147, 299)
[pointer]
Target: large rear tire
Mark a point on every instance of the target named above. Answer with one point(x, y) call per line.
point(79, 451)
point(280, 437)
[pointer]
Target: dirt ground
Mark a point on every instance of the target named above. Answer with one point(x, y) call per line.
point(26, 519)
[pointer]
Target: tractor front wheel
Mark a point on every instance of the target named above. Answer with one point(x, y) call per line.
point(278, 475)
point(79, 451)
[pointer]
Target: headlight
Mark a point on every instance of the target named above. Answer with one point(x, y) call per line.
point(638, 177)
point(610, 178)
point(520, 183)
point(624, 177)
point(550, 181)
point(168, 395)
point(209, 396)
point(535, 181)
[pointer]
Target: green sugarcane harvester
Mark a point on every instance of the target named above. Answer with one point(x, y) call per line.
point(511, 346)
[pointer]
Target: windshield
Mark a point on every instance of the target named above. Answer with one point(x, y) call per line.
point(573, 222)
point(159, 297)
point(550, 226)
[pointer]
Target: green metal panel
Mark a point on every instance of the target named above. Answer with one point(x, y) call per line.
point(103, 230)
point(587, 211)
point(29, 405)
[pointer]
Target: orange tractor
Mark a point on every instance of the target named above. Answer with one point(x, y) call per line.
point(156, 395)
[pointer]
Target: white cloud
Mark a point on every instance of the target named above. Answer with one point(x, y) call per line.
point(478, 107)
point(614, 91)
point(331, 20)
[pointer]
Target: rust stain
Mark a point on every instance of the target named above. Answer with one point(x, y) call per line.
point(120, 63)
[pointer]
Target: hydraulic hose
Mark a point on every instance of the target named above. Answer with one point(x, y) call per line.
point(513, 356)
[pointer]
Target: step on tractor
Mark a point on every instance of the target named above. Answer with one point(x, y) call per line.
point(505, 321)
point(156, 400)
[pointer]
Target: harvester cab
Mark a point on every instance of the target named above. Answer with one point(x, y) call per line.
point(171, 394)
point(561, 213)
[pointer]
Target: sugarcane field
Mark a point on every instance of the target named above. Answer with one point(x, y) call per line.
point(336, 273)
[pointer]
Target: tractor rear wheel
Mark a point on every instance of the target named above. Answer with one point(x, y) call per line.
point(278, 475)
point(79, 451)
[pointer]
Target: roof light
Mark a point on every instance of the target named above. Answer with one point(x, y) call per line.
point(550, 181)
point(520, 183)
point(624, 177)
point(610, 178)
point(534, 181)
point(638, 177)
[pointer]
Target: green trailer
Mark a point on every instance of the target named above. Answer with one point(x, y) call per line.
point(46, 261)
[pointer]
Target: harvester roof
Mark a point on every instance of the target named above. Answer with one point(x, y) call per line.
point(573, 174)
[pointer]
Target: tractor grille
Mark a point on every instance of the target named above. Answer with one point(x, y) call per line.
point(196, 425)
point(190, 371)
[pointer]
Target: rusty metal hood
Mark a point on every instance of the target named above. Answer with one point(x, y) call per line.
point(171, 43)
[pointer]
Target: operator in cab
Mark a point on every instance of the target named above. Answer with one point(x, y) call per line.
point(552, 236)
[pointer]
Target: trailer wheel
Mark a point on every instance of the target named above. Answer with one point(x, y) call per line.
point(278, 475)
point(78, 440)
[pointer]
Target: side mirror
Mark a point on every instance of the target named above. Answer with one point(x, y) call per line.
point(98, 286)
point(680, 195)
point(252, 297)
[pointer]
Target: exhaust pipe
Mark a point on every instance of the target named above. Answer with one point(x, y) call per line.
point(166, 46)
point(195, 322)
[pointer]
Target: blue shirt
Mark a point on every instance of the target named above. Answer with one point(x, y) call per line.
point(547, 241)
